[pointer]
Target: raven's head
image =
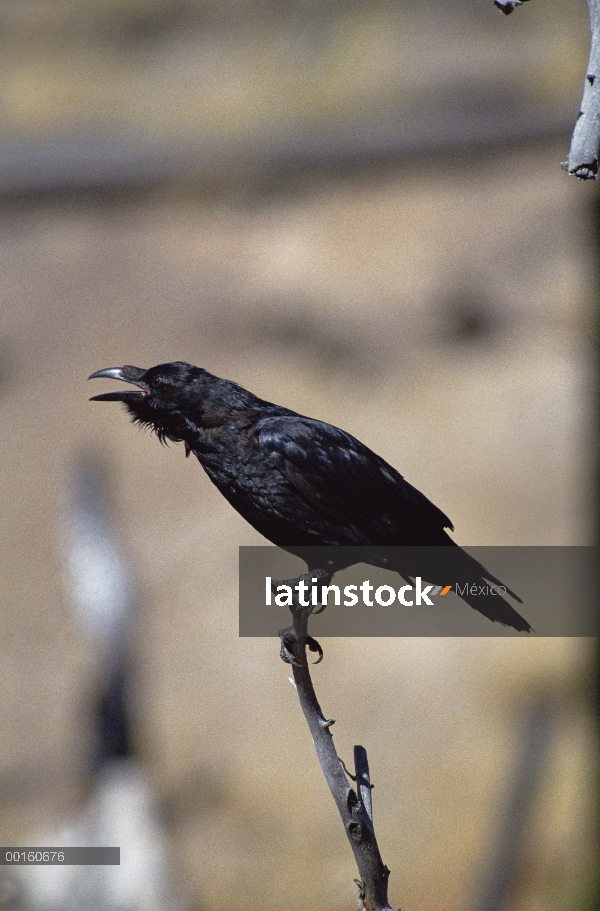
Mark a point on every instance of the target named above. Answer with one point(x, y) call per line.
point(164, 398)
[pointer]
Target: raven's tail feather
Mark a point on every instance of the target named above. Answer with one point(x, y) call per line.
point(470, 580)
point(497, 609)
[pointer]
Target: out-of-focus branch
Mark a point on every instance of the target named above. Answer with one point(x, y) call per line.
point(585, 144)
point(535, 742)
point(354, 806)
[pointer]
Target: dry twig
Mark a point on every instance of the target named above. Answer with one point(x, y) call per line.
point(354, 804)
point(585, 143)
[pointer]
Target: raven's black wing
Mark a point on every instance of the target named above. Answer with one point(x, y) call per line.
point(342, 493)
point(337, 483)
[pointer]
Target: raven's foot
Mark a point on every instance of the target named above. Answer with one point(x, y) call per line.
point(290, 643)
point(295, 638)
point(302, 585)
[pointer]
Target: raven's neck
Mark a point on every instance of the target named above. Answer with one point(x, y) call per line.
point(221, 403)
point(224, 416)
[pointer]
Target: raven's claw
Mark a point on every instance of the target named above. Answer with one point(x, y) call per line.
point(315, 647)
point(287, 635)
point(288, 638)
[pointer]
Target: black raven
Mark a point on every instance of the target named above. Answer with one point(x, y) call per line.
point(299, 482)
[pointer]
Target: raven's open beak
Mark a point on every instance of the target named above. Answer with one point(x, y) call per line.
point(127, 374)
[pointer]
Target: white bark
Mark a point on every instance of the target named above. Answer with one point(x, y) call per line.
point(585, 144)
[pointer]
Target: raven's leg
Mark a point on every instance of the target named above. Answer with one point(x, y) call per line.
point(295, 637)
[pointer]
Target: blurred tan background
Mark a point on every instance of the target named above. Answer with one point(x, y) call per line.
point(355, 210)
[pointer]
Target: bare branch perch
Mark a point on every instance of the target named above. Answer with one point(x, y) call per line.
point(354, 808)
point(585, 144)
point(507, 6)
